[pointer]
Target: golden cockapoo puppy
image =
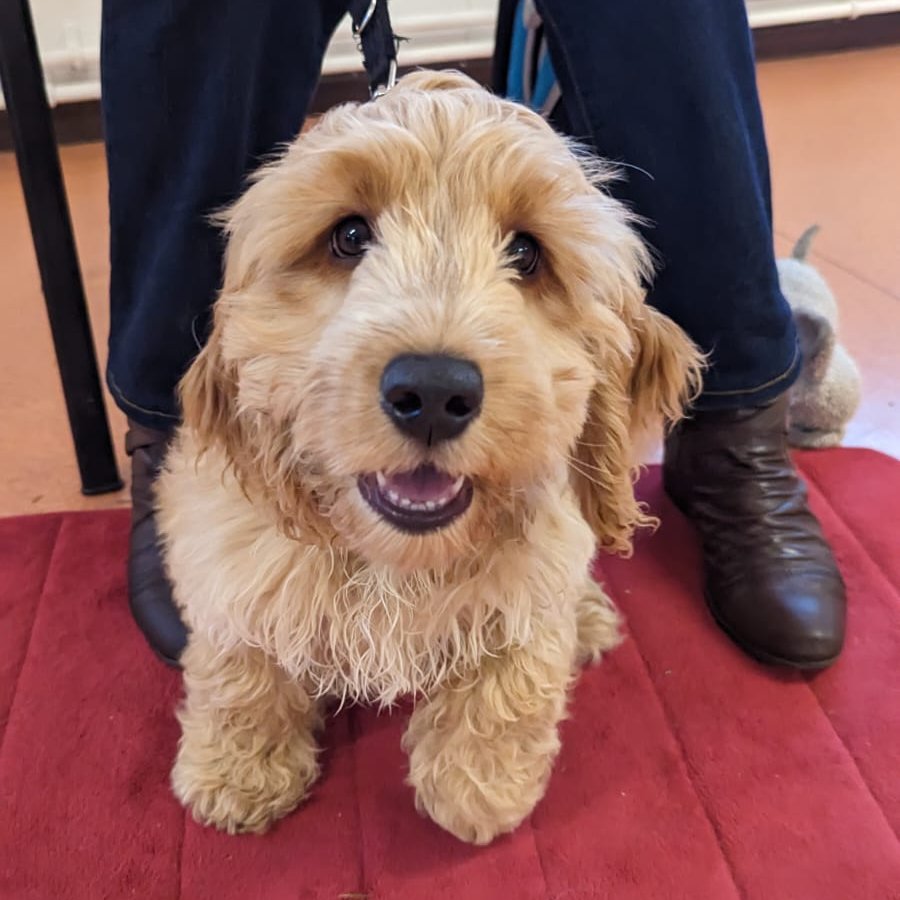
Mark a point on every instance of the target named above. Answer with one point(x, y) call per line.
point(412, 421)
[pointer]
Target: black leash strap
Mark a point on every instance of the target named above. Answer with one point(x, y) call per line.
point(376, 40)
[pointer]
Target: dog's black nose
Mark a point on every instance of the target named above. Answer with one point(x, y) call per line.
point(431, 398)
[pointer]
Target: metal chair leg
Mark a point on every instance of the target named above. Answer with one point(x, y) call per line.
point(51, 228)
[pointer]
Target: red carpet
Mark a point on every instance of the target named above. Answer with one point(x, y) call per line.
point(687, 770)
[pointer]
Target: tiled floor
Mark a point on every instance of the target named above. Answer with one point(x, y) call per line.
point(834, 135)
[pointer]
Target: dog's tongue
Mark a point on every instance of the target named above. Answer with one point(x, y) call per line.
point(420, 485)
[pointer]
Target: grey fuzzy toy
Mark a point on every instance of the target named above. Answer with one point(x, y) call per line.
point(826, 395)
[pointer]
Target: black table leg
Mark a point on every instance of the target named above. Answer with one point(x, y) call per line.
point(51, 228)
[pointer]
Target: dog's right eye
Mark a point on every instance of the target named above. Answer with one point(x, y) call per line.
point(524, 254)
point(351, 237)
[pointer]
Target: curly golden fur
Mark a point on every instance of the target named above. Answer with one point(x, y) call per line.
point(294, 589)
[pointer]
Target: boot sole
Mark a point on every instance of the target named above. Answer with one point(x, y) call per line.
point(764, 656)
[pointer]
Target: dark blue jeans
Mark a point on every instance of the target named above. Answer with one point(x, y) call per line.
point(196, 93)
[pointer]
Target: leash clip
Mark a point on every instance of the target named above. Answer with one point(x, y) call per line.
point(376, 41)
point(382, 89)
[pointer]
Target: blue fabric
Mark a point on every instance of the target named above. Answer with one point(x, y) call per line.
point(546, 79)
point(536, 94)
point(196, 93)
point(515, 83)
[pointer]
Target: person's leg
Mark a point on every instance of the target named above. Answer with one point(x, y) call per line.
point(195, 95)
point(669, 91)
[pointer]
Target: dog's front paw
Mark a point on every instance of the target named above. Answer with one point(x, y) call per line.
point(244, 791)
point(474, 791)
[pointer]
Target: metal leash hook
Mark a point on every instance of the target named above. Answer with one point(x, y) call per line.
point(382, 89)
point(375, 39)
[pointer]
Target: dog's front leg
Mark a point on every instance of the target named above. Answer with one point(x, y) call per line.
point(247, 754)
point(481, 749)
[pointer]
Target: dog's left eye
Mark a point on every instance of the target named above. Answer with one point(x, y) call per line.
point(524, 254)
point(351, 237)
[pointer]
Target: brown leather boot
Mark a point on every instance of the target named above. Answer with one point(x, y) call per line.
point(771, 580)
point(149, 591)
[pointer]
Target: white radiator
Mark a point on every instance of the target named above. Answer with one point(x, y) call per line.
point(439, 30)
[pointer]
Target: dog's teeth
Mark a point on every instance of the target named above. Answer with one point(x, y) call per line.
point(402, 502)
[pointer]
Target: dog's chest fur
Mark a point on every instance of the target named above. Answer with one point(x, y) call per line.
point(350, 630)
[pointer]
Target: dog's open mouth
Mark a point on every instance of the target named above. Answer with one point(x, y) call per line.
point(421, 500)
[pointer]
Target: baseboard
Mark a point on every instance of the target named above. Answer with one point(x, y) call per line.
point(830, 36)
point(75, 123)
point(81, 122)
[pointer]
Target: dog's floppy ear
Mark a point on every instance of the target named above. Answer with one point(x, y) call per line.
point(666, 373)
point(208, 393)
point(258, 453)
point(602, 468)
point(655, 380)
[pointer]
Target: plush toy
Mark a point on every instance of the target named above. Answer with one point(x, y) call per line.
point(826, 394)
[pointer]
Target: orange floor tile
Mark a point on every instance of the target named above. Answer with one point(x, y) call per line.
point(833, 134)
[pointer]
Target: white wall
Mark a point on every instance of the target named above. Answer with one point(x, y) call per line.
point(69, 34)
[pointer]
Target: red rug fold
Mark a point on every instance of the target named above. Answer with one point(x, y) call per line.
point(687, 770)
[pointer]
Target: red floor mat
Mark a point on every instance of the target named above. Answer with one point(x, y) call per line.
point(687, 771)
